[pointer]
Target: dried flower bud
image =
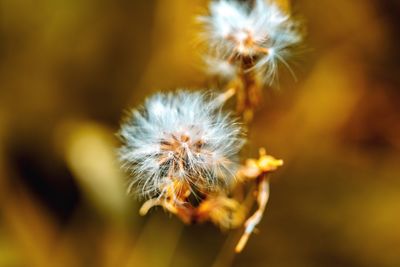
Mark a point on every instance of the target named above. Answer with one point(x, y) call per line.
point(179, 141)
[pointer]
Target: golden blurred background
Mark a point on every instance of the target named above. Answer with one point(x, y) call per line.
point(69, 69)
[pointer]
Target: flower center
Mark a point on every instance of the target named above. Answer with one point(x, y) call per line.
point(243, 39)
point(178, 150)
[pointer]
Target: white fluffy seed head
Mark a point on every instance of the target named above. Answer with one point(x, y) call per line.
point(261, 31)
point(180, 136)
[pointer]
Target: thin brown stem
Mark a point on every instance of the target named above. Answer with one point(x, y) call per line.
point(254, 220)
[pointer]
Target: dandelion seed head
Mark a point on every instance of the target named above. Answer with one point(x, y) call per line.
point(180, 136)
point(261, 31)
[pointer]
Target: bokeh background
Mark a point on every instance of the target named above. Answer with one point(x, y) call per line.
point(69, 69)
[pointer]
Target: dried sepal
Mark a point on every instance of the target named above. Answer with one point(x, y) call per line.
point(254, 168)
point(223, 211)
point(257, 170)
